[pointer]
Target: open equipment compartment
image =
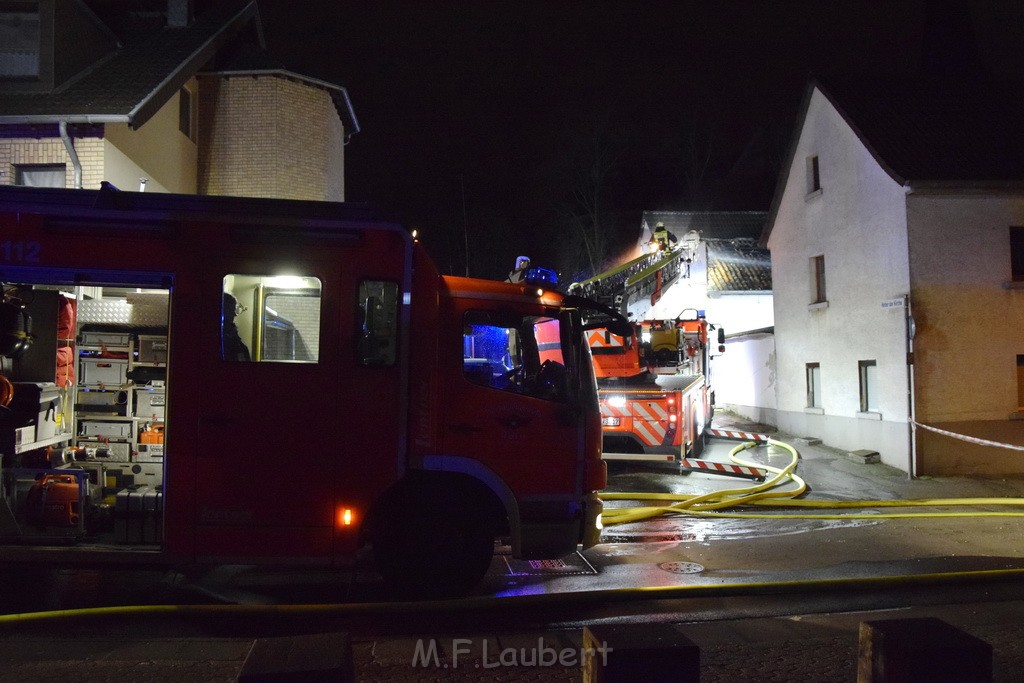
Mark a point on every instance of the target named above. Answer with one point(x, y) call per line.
point(84, 433)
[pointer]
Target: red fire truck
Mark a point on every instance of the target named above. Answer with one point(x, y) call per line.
point(655, 388)
point(655, 382)
point(222, 380)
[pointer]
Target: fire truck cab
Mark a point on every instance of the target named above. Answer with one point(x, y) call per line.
point(220, 380)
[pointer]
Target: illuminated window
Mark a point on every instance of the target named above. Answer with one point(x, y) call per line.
point(818, 280)
point(813, 175)
point(868, 371)
point(814, 397)
point(377, 315)
point(270, 319)
point(1017, 254)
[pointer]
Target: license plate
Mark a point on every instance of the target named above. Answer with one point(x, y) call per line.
point(609, 422)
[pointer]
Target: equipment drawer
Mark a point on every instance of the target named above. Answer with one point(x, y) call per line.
point(152, 349)
point(105, 401)
point(105, 429)
point(149, 404)
point(98, 338)
point(109, 371)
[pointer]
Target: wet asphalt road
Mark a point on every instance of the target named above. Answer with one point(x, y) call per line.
point(766, 599)
point(672, 550)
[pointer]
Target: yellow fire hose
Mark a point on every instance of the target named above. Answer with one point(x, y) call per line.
point(708, 504)
point(765, 494)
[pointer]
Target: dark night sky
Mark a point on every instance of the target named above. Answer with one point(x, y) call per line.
point(474, 114)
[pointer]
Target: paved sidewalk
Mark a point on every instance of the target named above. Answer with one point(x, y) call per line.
point(800, 648)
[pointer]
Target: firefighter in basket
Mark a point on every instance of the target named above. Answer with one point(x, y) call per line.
point(662, 239)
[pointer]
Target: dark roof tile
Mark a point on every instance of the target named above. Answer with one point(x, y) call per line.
point(738, 265)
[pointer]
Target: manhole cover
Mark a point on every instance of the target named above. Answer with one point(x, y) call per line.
point(681, 567)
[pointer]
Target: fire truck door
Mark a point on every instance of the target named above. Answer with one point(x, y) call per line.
point(510, 403)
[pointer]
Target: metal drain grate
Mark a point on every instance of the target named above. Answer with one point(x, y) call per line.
point(681, 567)
point(555, 565)
point(573, 565)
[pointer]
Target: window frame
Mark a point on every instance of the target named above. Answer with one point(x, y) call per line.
point(813, 175)
point(819, 293)
point(58, 169)
point(186, 113)
point(368, 345)
point(868, 385)
point(1020, 382)
point(249, 343)
point(812, 371)
point(1016, 237)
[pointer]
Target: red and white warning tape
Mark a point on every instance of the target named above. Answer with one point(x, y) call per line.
point(742, 436)
point(969, 439)
point(721, 468)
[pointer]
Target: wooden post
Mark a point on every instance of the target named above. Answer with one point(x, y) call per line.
point(639, 652)
point(924, 649)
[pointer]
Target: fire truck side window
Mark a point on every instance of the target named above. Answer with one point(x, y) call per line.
point(270, 319)
point(377, 322)
point(513, 353)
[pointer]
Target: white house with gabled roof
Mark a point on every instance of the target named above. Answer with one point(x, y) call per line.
point(897, 245)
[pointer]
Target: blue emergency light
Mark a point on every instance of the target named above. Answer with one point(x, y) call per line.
point(535, 275)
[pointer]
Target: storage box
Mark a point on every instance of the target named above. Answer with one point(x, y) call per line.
point(107, 371)
point(149, 403)
point(105, 429)
point(39, 404)
point(152, 349)
point(138, 515)
point(98, 338)
point(150, 452)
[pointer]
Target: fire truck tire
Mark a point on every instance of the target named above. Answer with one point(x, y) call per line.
point(432, 548)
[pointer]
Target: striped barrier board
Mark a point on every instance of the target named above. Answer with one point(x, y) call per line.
point(742, 436)
point(708, 467)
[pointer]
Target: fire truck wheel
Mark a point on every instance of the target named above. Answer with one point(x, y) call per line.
point(436, 549)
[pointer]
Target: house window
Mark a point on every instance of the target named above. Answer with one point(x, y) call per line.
point(814, 385)
point(40, 175)
point(818, 280)
point(1020, 382)
point(1017, 254)
point(185, 118)
point(813, 175)
point(868, 370)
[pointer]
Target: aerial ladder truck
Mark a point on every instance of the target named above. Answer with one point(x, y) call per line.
point(654, 386)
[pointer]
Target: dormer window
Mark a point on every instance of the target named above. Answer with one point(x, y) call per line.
point(19, 39)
